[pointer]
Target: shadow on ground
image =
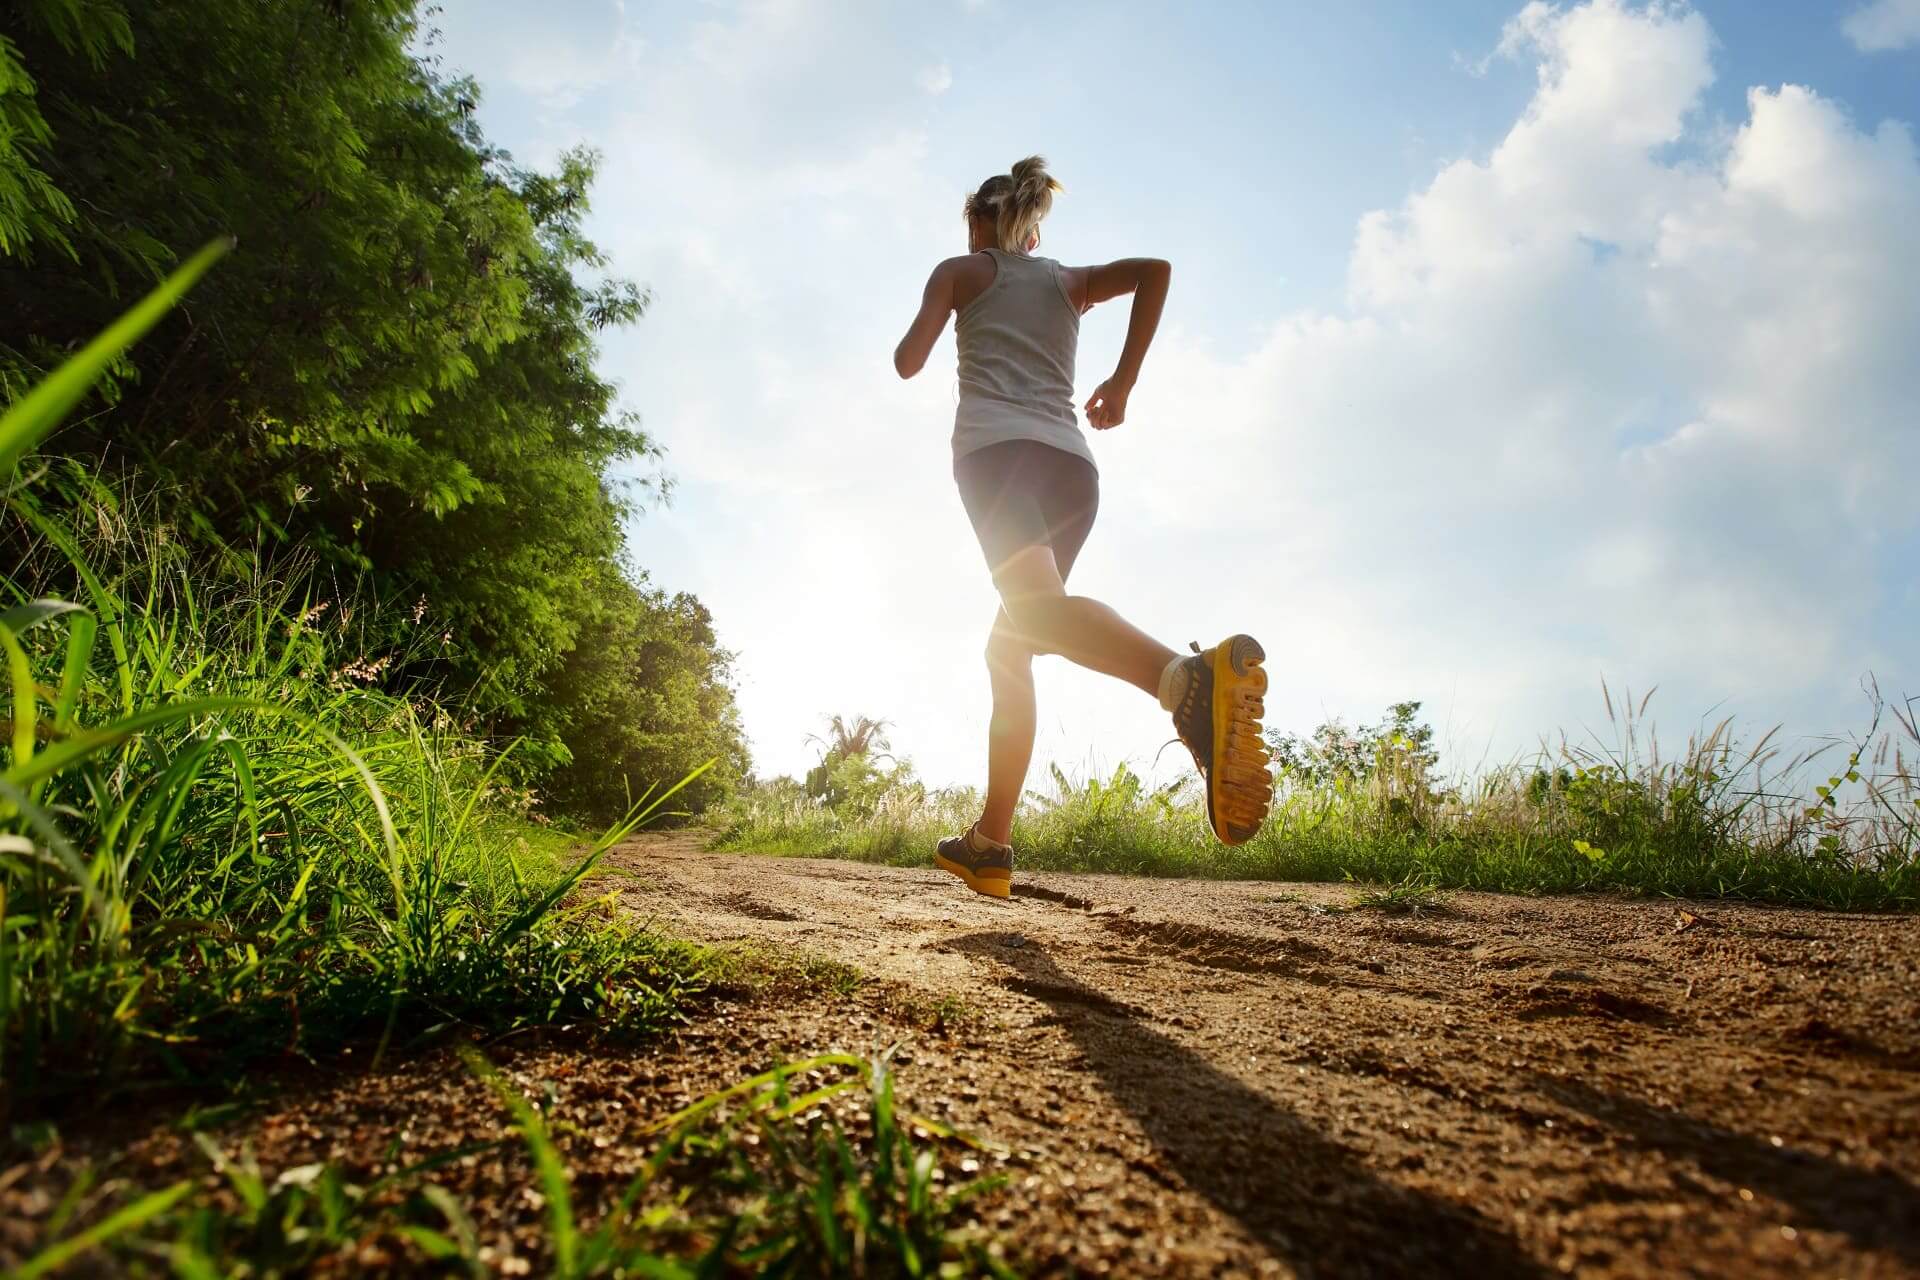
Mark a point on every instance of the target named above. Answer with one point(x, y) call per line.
point(1877, 1210)
point(1306, 1198)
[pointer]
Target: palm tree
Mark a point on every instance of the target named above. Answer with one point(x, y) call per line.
point(865, 738)
point(862, 737)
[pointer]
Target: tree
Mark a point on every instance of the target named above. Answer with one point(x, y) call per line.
point(853, 737)
point(394, 369)
point(643, 700)
point(847, 755)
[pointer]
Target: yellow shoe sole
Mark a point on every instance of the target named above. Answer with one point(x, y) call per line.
point(994, 886)
point(1239, 786)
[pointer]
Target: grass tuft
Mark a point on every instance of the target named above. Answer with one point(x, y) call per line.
point(1410, 896)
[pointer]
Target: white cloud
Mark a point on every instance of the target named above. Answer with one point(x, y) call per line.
point(1591, 408)
point(1629, 396)
point(935, 80)
point(1883, 25)
point(572, 51)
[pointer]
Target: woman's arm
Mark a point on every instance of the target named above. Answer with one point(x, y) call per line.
point(1147, 279)
point(936, 304)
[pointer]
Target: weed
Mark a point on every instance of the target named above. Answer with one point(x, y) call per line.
point(810, 1169)
point(1412, 895)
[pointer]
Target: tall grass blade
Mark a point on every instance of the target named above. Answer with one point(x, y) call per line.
point(73, 672)
point(61, 853)
point(537, 910)
point(546, 1161)
point(69, 752)
point(26, 716)
point(65, 754)
point(40, 410)
point(24, 617)
point(755, 1084)
point(105, 603)
point(142, 1210)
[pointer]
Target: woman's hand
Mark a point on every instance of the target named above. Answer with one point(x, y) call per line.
point(1107, 407)
point(1147, 279)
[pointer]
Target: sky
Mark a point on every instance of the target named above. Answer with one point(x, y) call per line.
point(1511, 349)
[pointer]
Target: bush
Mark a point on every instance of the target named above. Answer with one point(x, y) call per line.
point(645, 696)
point(221, 843)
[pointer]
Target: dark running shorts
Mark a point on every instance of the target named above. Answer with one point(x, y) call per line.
point(1021, 493)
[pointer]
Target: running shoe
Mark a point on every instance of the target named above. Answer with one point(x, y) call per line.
point(989, 871)
point(1219, 721)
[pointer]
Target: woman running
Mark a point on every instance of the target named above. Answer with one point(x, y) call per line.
point(1027, 480)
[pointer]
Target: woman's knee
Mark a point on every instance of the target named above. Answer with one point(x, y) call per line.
point(1030, 594)
point(1009, 658)
point(1035, 617)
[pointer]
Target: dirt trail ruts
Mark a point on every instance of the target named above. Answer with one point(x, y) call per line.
point(1244, 1078)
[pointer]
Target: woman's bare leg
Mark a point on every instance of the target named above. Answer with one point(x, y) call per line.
point(1010, 733)
point(1038, 616)
point(1082, 630)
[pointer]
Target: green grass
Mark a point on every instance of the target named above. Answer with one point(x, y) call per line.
point(807, 1170)
point(1716, 821)
point(221, 844)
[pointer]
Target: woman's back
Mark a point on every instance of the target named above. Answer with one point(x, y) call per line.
point(1016, 343)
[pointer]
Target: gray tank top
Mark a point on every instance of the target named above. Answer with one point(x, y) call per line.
point(1017, 343)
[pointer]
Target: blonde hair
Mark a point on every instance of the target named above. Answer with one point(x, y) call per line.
point(1015, 202)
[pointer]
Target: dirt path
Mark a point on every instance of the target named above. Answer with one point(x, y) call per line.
point(1203, 1079)
point(1215, 1079)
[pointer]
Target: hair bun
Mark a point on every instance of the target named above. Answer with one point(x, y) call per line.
point(1031, 181)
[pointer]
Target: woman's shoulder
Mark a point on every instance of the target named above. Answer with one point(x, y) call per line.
point(982, 263)
point(971, 275)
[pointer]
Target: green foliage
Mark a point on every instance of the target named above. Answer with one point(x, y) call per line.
point(1121, 818)
point(849, 772)
point(819, 1200)
point(1400, 742)
point(38, 412)
point(862, 735)
point(763, 1178)
point(858, 786)
point(646, 693)
point(1409, 896)
point(394, 369)
point(34, 213)
point(122, 1221)
point(881, 823)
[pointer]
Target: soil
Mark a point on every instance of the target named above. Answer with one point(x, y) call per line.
point(1198, 1078)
